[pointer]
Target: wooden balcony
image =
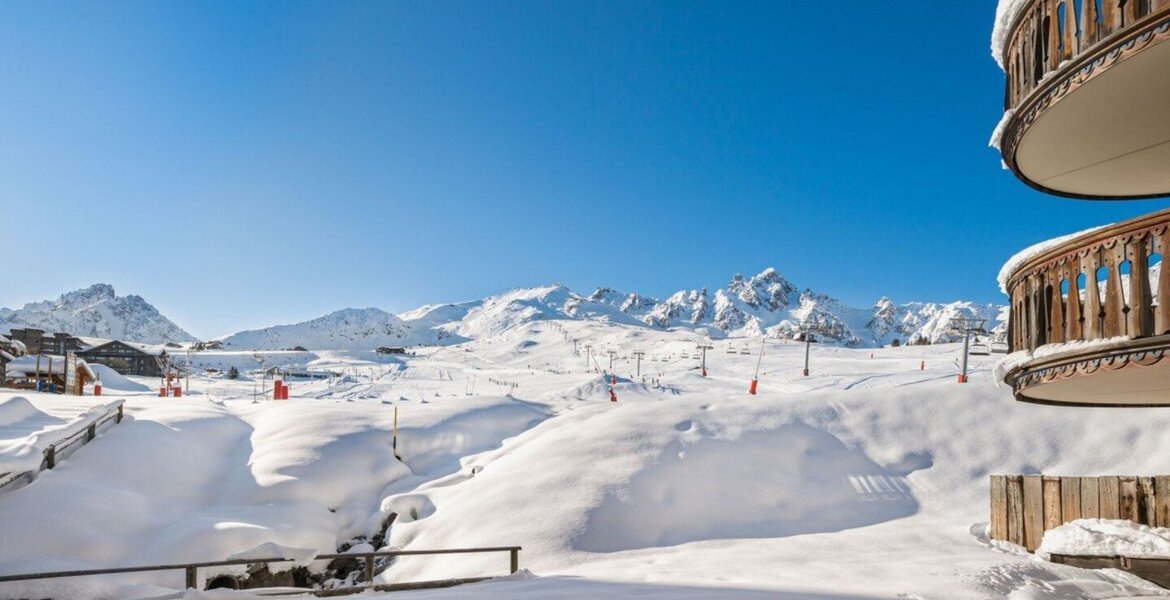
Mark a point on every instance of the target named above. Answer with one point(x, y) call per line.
point(1094, 312)
point(1087, 87)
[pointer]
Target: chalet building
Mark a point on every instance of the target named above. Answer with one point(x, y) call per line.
point(9, 351)
point(36, 341)
point(1087, 86)
point(128, 358)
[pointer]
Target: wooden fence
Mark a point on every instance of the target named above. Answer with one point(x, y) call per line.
point(81, 435)
point(191, 570)
point(1023, 507)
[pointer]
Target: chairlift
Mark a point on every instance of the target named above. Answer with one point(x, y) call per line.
point(979, 348)
point(744, 350)
point(731, 350)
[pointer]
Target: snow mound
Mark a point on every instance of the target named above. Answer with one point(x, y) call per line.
point(115, 381)
point(793, 480)
point(1106, 537)
point(17, 409)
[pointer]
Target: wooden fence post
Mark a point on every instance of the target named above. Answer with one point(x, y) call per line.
point(370, 570)
point(1015, 503)
point(1110, 497)
point(192, 577)
point(1146, 501)
point(1162, 501)
point(1053, 516)
point(999, 509)
point(515, 562)
point(1090, 498)
point(1128, 495)
point(51, 456)
point(1070, 499)
point(1033, 511)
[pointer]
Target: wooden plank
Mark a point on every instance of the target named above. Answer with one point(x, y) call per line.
point(1162, 501)
point(1128, 496)
point(999, 509)
point(1053, 517)
point(1110, 497)
point(1033, 511)
point(1070, 499)
point(1146, 502)
point(1015, 504)
point(1090, 498)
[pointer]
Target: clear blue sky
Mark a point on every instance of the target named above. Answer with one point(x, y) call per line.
point(245, 164)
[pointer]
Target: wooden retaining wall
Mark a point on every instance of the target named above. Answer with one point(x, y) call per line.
point(1023, 507)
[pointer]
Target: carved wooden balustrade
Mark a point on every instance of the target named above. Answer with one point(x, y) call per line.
point(1053, 35)
point(1095, 286)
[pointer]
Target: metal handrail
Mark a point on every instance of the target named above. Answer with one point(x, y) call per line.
point(191, 569)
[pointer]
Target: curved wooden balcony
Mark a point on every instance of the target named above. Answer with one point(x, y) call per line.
point(1086, 93)
point(1094, 314)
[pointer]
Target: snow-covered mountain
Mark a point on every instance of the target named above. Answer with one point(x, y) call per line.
point(765, 304)
point(96, 311)
point(346, 329)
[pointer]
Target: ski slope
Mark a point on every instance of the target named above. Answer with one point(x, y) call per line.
point(867, 479)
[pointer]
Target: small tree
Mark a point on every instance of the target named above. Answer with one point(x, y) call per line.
point(233, 373)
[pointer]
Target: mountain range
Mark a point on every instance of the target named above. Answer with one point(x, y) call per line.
point(97, 311)
point(763, 304)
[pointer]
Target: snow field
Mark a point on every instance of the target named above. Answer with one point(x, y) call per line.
point(867, 479)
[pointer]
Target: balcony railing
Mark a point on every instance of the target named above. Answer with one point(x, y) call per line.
point(1050, 35)
point(1108, 283)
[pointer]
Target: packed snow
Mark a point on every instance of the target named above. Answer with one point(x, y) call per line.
point(1015, 262)
point(1106, 537)
point(1005, 14)
point(867, 479)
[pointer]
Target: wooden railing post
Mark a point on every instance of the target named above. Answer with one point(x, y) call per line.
point(51, 456)
point(192, 577)
point(515, 562)
point(91, 432)
point(118, 419)
point(370, 570)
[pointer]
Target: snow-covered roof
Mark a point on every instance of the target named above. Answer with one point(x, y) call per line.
point(49, 364)
point(153, 349)
point(1035, 250)
point(1005, 15)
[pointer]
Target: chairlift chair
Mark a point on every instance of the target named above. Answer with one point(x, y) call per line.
point(979, 348)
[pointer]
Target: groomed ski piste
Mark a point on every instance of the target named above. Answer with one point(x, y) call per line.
point(867, 479)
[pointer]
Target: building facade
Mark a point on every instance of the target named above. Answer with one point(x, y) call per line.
point(1086, 96)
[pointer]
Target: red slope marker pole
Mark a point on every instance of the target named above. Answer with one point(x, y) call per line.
point(756, 375)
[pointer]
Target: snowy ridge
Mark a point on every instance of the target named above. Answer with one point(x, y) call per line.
point(97, 311)
point(346, 329)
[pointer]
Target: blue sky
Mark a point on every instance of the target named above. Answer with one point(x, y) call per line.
point(245, 164)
